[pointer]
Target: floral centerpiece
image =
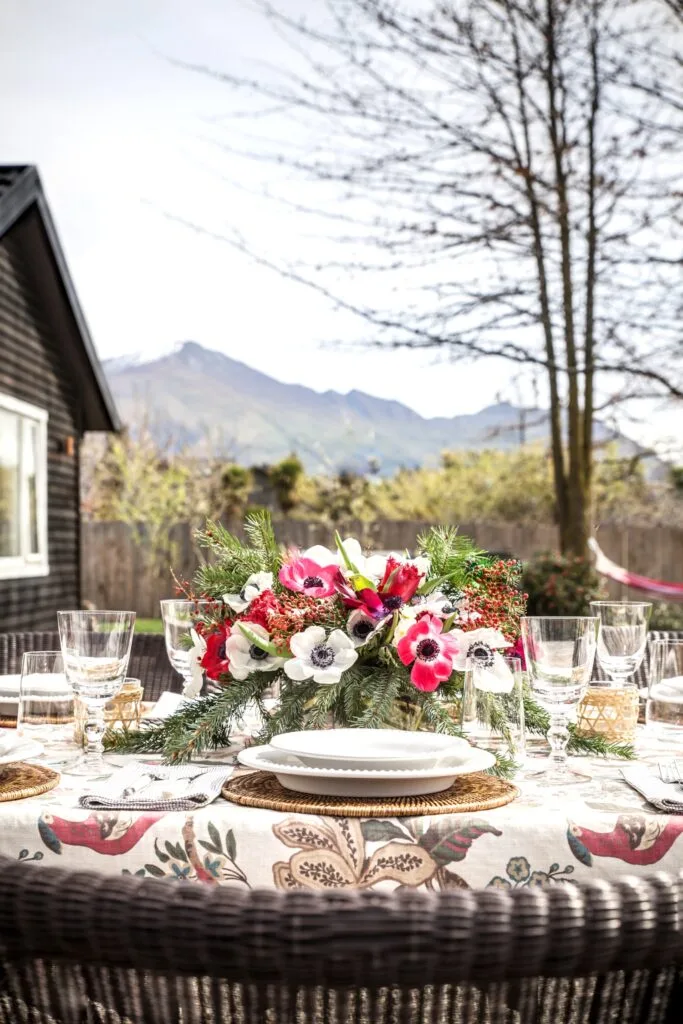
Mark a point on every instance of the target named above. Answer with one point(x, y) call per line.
point(351, 639)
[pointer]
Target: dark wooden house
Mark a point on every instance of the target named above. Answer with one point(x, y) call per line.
point(52, 389)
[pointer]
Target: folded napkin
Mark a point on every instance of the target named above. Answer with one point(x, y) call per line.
point(665, 796)
point(167, 704)
point(143, 787)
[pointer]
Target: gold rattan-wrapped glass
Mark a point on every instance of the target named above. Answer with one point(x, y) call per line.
point(610, 712)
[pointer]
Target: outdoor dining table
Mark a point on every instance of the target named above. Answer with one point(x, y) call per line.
point(596, 829)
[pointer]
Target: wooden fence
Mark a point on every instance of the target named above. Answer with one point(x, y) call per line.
point(116, 571)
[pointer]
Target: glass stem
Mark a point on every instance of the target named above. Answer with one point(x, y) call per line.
point(94, 730)
point(558, 738)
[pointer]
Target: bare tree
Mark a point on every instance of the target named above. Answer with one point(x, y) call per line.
point(520, 163)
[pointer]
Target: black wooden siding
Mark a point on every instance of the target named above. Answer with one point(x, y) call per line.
point(31, 370)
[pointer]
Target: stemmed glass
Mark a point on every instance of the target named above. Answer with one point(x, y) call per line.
point(623, 637)
point(559, 656)
point(96, 649)
point(179, 617)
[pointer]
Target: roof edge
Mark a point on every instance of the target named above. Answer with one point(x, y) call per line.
point(25, 192)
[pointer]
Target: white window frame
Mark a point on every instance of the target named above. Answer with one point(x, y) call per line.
point(29, 563)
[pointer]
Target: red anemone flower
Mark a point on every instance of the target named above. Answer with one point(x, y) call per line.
point(215, 660)
point(396, 588)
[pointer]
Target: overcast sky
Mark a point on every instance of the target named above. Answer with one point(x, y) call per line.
point(122, 138)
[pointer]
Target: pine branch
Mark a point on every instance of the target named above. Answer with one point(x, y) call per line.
point(320, 709)
point(258, 527)
point(199, 725)
point(598, 746)
point(229, 575)
point(505, 767)
point(452, 558)
point(290, 715)
point(437, 717)
point(383, 690)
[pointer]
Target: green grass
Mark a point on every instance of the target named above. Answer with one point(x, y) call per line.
point(149, 626)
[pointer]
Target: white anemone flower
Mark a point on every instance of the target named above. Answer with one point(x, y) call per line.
point(361, 627)
point(247, 657)
point(316, 654)
point(255, 585)
point(195, 655)
point(484, 646)
point(437, 604)
point(324, 556)
point(406, 618)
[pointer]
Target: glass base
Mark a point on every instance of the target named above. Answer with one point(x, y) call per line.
point(87, 764)
point(553, 775)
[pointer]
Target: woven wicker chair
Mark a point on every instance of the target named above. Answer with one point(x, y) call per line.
point(148, 660)
point(78, 947)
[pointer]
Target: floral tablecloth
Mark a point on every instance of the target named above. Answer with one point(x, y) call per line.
point(597, 829)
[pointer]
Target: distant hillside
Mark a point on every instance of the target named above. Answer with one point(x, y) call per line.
point(206, 402)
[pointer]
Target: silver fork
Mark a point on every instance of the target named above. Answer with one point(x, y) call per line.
point(670, 771)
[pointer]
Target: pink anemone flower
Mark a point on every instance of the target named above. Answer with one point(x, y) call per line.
point(307, 577)
point(430, 651)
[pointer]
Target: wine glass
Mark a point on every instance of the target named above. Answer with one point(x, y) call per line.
point(179, 617)
point(623, 637)
point(96, 649)
point(559, 656)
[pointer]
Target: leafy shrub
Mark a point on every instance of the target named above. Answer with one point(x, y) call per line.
point(561, 586)
point(666, 617)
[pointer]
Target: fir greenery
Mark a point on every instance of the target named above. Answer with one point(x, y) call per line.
point(375, 692)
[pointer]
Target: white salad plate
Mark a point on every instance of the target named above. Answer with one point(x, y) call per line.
point(14, 748)
point(370, 748)
point(363, 782)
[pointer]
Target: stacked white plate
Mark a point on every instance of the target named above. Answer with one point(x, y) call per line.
point(366, 762)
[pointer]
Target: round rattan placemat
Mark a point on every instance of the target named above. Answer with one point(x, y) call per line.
point(476, 792)
point(21, 780)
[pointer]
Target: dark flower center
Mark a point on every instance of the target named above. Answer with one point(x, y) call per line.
point(362, 629)
point(481, 653)
point(313, 581)
point(393, 602)
point(257, 653)
point(220, 653)
point(427, 650)
point(322, 656)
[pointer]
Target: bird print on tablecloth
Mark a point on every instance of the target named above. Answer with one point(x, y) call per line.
point(110, 834)
point(637, 839)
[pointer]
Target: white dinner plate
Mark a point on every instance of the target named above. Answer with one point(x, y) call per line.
point(363, 782)
point(16, 748)
point(370, 748)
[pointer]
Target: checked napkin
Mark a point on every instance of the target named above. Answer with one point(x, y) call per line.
point(143, 787)
point(665, 796)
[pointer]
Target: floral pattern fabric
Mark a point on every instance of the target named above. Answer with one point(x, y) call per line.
point(597, 829)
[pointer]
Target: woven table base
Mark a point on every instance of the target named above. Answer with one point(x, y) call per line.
point(21, 780)
point(476, 792)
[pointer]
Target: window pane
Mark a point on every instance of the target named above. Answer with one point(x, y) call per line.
point(30, 464)
point(10, 427)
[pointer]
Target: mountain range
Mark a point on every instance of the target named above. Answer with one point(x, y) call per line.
point(209, 404)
